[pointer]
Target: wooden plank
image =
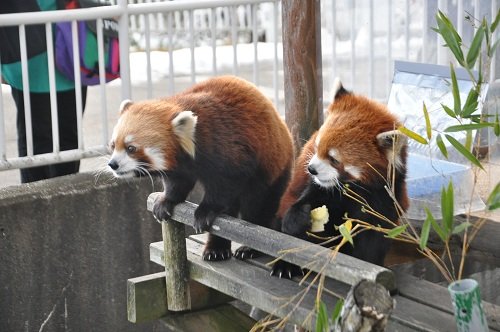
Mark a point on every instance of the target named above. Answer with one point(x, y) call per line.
point(316, 258)
point(223, 318)
point(302, 74)
point(486, 240)
point(147, 297)
point(176, 266)
point(251, 285)
point(437, 297)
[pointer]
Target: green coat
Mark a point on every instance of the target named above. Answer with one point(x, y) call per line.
point(38, 71)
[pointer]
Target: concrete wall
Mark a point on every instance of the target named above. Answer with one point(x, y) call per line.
point(67, 247)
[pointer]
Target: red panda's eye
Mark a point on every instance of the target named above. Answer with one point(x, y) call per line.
point(131, 149)
point(333, 161)
point(112, 145)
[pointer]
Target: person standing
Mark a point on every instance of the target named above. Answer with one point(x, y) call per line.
point(38, 74)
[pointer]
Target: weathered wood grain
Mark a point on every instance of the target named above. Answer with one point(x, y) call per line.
point(316, 258)
point(147, 297)
point(222, 318)
point(175, 262)
point(436, 297)
point(301, 29)
point(250, 284)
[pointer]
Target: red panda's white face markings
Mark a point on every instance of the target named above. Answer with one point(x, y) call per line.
point(150, 136)
point(357, 142)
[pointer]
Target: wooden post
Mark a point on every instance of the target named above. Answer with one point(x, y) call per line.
point(301, 26)
point(176, 270)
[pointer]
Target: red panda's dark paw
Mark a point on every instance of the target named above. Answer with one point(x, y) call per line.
point(203, 219)
point(285, 270)
point(297, 220)
point(216, 254)
point(245, 252)
point(162, 209)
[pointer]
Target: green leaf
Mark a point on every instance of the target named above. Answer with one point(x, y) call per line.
point(441, 146)
point(447, 206)
point(471, 126)
point(468, 140)
point(448, 111)
point(454, 90)
point(393, 233)
point(475, 47)
point(413, 135)
point(461, 227)
point(428, 128)
point(345, 233)
point(496, 127)
point(451, 37)
point(493, 201)
point(495, 22)
point(466, 153)
point(322, 318)
point(436, 227)
point(471, 103)
point(493, 48)
point(424, 235)
point(337, 310)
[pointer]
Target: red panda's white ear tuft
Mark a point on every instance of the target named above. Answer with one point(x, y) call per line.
point(124, 105)
point(184, 125)
point(338, 89)
point(393, 141)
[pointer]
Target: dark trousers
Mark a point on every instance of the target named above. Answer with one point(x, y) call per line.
point(41, 124)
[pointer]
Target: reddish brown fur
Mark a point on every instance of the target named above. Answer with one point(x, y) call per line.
point(351, 127)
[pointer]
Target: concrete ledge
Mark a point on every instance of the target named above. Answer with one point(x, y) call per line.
point(68, 246)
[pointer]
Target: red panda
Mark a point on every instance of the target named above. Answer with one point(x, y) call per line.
point(357, 146)
point(222, 132)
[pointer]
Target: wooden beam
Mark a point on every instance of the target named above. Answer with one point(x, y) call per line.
point(178, 298)
point(147, 297)
point(301, 26)
point(343, 267)
point(222, 318)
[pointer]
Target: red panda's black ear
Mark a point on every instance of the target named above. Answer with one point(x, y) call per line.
point(124, 105)
point(338, 89)
point(393, 141)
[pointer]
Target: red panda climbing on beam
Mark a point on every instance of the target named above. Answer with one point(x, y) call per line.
point(222, 132)
point(357, 146)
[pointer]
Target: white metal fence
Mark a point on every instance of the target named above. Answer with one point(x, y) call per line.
point(166, 46)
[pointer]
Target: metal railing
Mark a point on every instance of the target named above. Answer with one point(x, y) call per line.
point(166, 46)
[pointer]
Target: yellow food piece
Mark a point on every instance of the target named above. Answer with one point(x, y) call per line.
point(319, 217)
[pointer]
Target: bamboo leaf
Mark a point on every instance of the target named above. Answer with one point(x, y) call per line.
point(449, 111)
point(495, 22)
point(346, 234)
point(322, 318)
point(451, 37)
point(468, 140)
point(471, 103)
point(441, 146)
point(471, 126)
point(337, 310)
point(424, 235)
point(396, 231)
point(435, 226)
point(428, 128)
point(466, 153)
point(493, 48)
point(496, 127)
point(461, 227)
point(475, 47)
point(413, 135)
point(455, 91)
point(447, 206)
point(493, 201)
